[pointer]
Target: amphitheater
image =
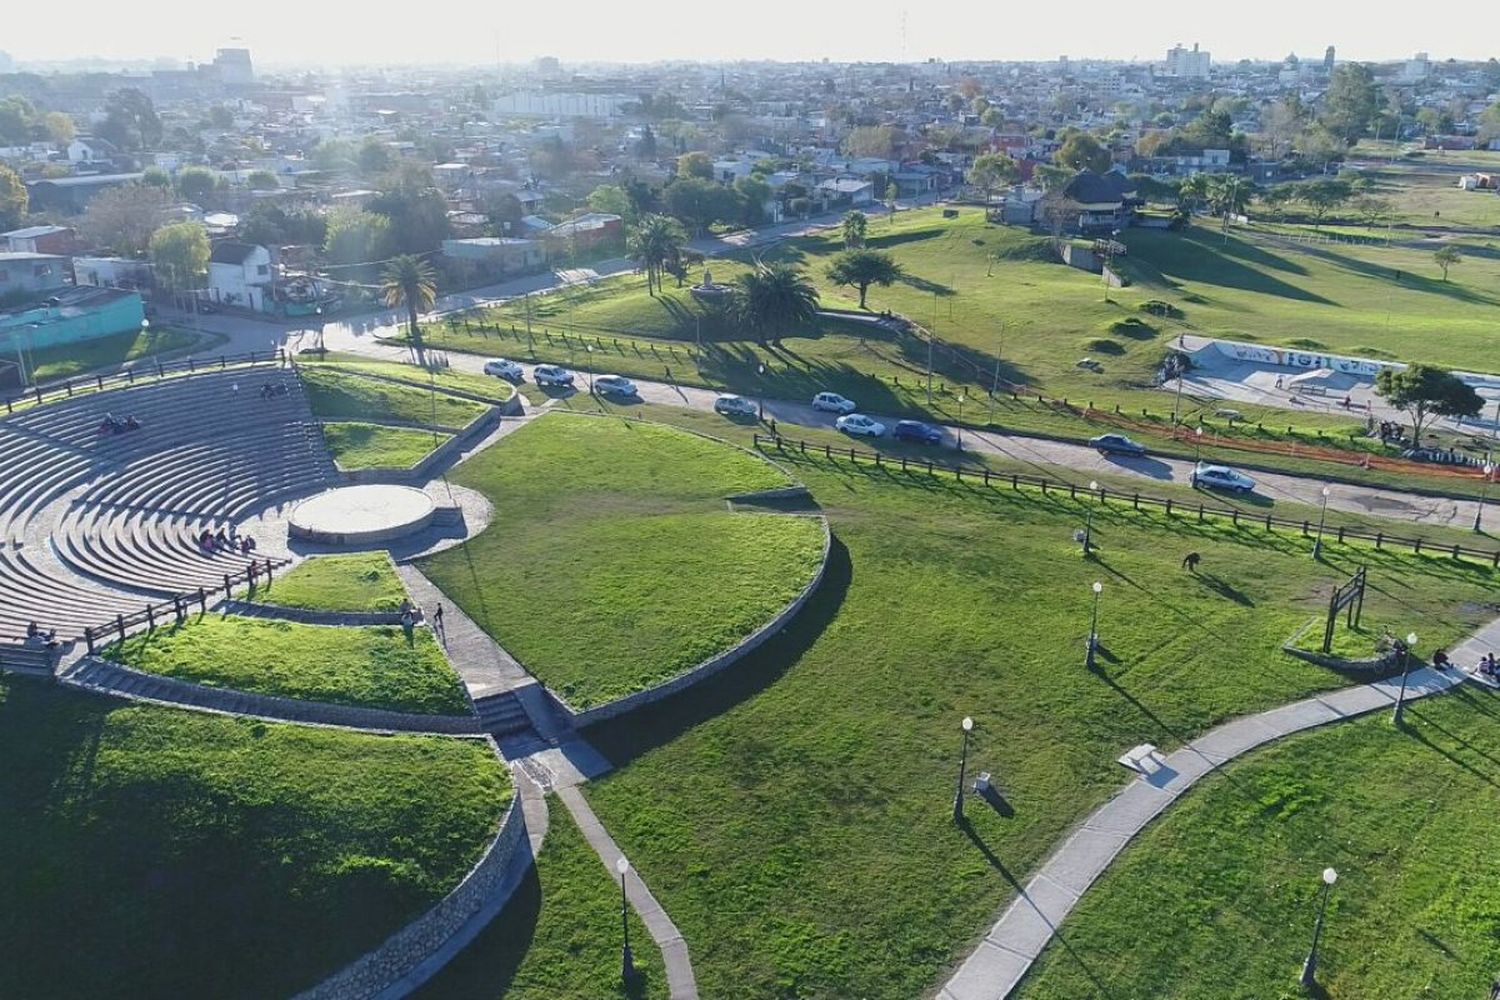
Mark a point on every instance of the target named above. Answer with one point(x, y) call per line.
point(98, 525)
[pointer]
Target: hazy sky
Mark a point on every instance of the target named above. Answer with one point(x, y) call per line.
point(480, 31)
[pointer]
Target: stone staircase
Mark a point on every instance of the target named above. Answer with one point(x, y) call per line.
point(502, 714)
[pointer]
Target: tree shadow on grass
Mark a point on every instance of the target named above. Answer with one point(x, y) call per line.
point(622, 740)
point(494, 957)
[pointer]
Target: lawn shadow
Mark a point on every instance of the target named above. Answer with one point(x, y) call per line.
point(1141, 465)
point(495, 956)
point(1225, 589)
point(622, 740)
point(994, 862)
point(925, 285)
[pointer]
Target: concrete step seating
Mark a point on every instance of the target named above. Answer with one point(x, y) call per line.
point(138, 527)
point(205, 456)
point(501, 714)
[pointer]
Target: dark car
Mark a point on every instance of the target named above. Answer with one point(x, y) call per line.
point(1117, 444)
point(915, 430)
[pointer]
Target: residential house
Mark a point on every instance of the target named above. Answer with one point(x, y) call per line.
point(72, 194)
point(69, 315)
point(24, 274)
point(586, 232)
point(239, 274)
point(41, 239)
point(88, 151)
point(1105, 201)
point(847, 191)
point(496, 255)
point(111, 272)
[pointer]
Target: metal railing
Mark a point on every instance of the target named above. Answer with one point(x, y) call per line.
point(1137, 500)
point(148, 370)
point(177, 607)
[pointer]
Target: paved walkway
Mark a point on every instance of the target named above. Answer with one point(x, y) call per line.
point(1000, 961)
point(681, 984)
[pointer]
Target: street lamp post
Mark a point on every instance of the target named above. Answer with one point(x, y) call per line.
point(1484, 492)
point(1322, 517)
point(1177, 399)
point(760, 391)
point(1197, 444)
point(1400, 713)
point(960, 421)
point(627, 960)
point(1093, 641)
point(963, 761)
point(1088, 526)
point(1310, 967)
point(590, 349)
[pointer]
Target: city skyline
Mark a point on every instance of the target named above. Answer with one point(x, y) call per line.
point(286, 34)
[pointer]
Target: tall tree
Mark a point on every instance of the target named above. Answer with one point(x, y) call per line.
point(652, 243)
point(417, 210)
point(863, 268)
point(695, 165)
point(1081, 151)
point(197, 184)
point(1446, 257)
point(60, 128)
point(773, 299)
point(754, 193)
point(354, 236)
point(409, 281)
point(123, 218)
point(993, 170)
point(1426, 391)
point(179, 255)
point(878, 141)
point(856, 225)
point(13, 198)
point(1351, 101)
point(130, 120)
point(1323, 196)
point(610, 198)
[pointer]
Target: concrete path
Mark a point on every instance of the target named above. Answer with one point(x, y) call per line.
point(1002, 958)
point(681, 984)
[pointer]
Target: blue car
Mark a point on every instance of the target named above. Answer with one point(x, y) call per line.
point(915, 430)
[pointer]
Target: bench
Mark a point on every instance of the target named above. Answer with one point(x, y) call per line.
point(1144, 759)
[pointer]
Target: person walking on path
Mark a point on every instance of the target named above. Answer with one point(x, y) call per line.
point(437, 624)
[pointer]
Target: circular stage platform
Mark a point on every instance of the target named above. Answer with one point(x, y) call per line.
point(361, 515)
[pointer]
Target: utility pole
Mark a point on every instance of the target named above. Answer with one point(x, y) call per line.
point(995, 379)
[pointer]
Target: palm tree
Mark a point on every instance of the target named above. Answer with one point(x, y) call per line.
point(856, 224)
point(774, 298)
point(863, 268)
point(654, 242)
point(409, 281)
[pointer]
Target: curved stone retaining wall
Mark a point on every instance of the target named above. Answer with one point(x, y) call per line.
point(714, 664)
point(381, 972)
point(113, 678)
point(306, 616)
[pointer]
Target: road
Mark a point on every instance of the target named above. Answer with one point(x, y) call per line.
point(1047, 456)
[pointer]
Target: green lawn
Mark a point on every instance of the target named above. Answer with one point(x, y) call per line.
point(357, 581)
point(151, 852)
point(495, 389)
point(67, 360)
point(374, 667)
point(794, 818)
point(341, 395)
point(993, 293)
point(614, 564)
point(1217, 899)
point(356, 445)
point(559, 936)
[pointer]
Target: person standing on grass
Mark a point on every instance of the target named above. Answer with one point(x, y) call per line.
point(437, 618)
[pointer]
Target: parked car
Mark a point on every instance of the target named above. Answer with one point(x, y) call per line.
point(501, 368)
point(735, 406)
point(1117, 444)
point(614, 385)
point(859, 425)
point(552, 375)
point(1221, 477)
point(832, 402)
point(915, 430)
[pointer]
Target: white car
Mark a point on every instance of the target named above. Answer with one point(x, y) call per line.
point(501, 368)
point(832, 402)
point(614, 385)
point(552, 375)
point(1221, 477)
point(860, 425)
point(735, 406)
